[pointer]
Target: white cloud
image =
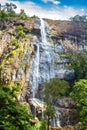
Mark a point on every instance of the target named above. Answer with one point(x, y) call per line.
point(53, 13)
point(82, 10)
point(56, 2)
point(3, 1)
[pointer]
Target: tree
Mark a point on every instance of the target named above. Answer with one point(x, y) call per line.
point(7, 10)
point(78, 62)
point(55, 88)
point(79, 18)
point(22, 14)
point(3, 15)
point(10, 8)
point(79, 94)
point(13, 116)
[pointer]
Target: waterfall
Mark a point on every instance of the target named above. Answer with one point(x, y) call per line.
point(48, 66)
point(42, 66)
point(57, 121)
point(68, 120)
point(34, 72)
point(43, 32)
point(46, 56)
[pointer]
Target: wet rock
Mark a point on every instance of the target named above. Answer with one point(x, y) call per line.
point(46, 62)
point(36, 28)
point(65, 103)
point(68, 114)
point(69, 127)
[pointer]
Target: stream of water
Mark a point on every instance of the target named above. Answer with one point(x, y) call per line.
point(42, 68)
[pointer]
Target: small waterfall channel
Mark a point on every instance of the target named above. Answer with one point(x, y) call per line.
point(42, 66)
point(34, 73)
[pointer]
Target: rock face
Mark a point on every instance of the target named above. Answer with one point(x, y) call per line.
point(32, 60)
point(68, 128)
point(68, 114)
point(16, 53)
point(46, 63)
point(72, 35)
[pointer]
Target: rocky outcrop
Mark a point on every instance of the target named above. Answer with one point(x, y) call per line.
point(70, 34)
point(67, 109)
point(16, 53)
point(46, 63)
point(68, 127)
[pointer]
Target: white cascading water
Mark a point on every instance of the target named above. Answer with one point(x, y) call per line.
point(49, 59)
point(46, 57)
point(57, 121)
point(42, 66)
point(34, 73)
point(43, 32)
point(46, 64)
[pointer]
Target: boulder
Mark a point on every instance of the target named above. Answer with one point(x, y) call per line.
point(69, 127)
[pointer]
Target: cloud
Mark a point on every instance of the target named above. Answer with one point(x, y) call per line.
point(56, 13)
point(3, 1)
point(56, 2)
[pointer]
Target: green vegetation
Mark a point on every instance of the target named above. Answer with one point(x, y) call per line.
point(55, 89)
point(13, 116)
point(11, 53)
point(78, 62)
point(79, 94)
point(79, 18)
point(20, 31)
point(14, 42)
point(22, 14)
point(8, 11)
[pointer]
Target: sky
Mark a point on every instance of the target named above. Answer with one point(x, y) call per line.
point(52, 9)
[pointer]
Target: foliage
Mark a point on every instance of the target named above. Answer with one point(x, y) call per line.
point(22, 14)
point(11, 53)
point(8, 10)
point(14, 43)
point(78, 62)
point(12, 115)
point(3, 15)
point(41, 125)
point(54, 89)
point(20, 31)
point(79, 94)
point(34, 16)
point(79, 18)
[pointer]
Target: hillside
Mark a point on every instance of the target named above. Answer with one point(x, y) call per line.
point(30, 55)
point(74, 32)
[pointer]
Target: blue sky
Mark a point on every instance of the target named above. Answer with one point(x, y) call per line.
point(73, 3)
point(53, 9)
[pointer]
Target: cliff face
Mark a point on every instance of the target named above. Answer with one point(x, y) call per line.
point(30, 54)
point(19, 47)
point(16, 50)
point(30, 59)
point(71, 34)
